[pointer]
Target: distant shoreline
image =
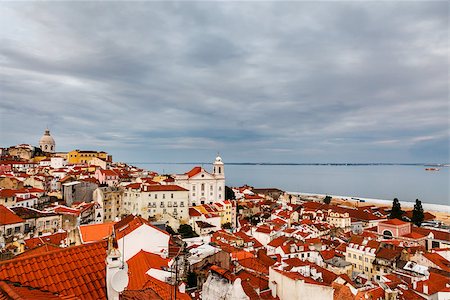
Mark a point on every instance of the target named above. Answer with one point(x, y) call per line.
point(442, 165)
point(369, 201)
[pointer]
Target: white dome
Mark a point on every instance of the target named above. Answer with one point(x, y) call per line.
point(218, 159)
point(47, 143)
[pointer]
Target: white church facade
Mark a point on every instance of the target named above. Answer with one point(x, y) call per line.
point(204, 187)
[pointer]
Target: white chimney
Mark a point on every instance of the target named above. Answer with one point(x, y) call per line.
point(274, 289)
point(116, 272)
point(414, 285)
point(425, 288)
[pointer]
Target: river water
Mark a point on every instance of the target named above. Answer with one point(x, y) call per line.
point(405, 182)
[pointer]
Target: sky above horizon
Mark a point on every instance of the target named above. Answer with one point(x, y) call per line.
point(295, 82)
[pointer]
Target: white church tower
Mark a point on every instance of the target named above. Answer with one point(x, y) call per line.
point(218, 168)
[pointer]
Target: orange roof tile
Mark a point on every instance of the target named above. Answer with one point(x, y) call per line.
point(395, 222)
point(79, 271)
point(7, 216)
point(138, 266)
point(129, 224)
point(96, 232)
point(12, 291)
point(194, 171)
point(54, 239)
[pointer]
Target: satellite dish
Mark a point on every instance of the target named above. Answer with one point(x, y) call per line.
point(119, 281)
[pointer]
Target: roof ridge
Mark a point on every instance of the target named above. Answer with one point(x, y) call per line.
point(15, 259)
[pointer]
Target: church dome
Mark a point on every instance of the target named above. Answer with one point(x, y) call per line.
point(47, 143)
point(218, 159)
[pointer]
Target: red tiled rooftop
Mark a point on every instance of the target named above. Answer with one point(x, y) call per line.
point(96, 232)
point(395, 222)
point(138, 266)
point(79, 271)
point(13, 291)
point(54, 239)
point(8, 217)
point(194, 171)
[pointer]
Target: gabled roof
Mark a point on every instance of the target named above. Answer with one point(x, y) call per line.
point(395, 222)
point(164, 188)
point(96, 232)
point(10, 291)
point(79, 271)
point(194, 171)
point(54, 239)
point(138, 266)
point(129, 224)
point(8, 217)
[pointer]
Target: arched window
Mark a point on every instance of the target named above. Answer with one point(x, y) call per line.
point(387, 234)
point(46, 147)
point(220, 170)
point(51, 148)
point(203, 187)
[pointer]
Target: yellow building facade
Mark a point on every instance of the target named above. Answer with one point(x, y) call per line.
point(84, 157)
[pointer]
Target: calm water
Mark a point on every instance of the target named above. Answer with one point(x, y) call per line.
point(376, 181)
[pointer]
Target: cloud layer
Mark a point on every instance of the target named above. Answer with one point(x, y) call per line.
point(257, 81)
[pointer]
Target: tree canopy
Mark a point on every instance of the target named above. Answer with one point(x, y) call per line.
point(417, 214)
point(229, 193)
point(327, 199)
point(396, 211)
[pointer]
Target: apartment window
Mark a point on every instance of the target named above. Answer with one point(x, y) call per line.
point(360, 257)
point(164, 211)
point(360, 267)
point(354, 256)
point(378, 268)
point(164, 196)
point(171, 196)
point(349, 255)
point(220, 188)
point(193, 188)
point(366, 259)
point(17, 229)
point(367, 269)
point(156, 196)
point(203, 187)
point(181, 204)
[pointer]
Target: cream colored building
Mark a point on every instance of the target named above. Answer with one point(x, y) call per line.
point(339, 220)
point(156, 201)
point(204, 187)
point(360, 253)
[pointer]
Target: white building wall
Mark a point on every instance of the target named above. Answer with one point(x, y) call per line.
point(144, 238)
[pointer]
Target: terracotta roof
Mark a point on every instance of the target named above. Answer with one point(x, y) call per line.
point(254, 264)
point(194, 212)
point(194, 171)
point(96, 232)
point(138, 266)
point(11, 291)
point(79, 271)
point(438, 260)
point(30, 213)
point(41, 249)
point(395, 222)
point(6, 193)
point(54, 239)
point(435, 284)
point(129, 224)
point(8, 217)
point(164, 188)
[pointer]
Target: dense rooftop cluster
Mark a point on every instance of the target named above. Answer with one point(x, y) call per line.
point(77, 225)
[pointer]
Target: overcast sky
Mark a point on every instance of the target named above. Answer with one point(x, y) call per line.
point(255, 81)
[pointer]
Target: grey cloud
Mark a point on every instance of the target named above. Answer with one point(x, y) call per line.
point(284, 80)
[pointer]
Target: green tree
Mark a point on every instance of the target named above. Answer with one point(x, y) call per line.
point(327, 199)
point(186, 231)
point(396, 211)
point(229, 193)
point(226, 225)
point(170, 230)
point(417, 214)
